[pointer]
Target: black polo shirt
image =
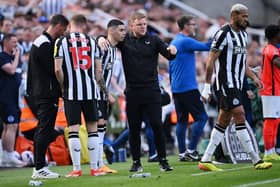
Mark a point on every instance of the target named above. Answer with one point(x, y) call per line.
point(140, 60)
point(41, 79)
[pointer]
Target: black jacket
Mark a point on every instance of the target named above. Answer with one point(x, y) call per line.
point(140, 60)
point(41, 79)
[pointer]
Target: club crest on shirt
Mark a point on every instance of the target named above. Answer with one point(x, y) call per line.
point(11, 119)
point(235, 101)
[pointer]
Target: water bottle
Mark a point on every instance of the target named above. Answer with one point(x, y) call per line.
point(140, 175)
point(35, 183)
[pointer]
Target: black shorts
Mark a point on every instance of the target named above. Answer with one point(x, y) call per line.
point(103, 110)
point(73, 111)
point(188, 103)
point(229, 99)
point(10, 112)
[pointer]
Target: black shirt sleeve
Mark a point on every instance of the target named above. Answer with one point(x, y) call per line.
point(162, 47)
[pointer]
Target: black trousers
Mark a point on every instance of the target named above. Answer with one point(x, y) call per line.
point(46, 111)
point(140, 103)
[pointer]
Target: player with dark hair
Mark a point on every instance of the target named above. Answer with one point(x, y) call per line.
point(270, 93)
point(229, 48)
point(43, 89)
point(115, 33)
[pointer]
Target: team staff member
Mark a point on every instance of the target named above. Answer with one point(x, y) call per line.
point(10, 78)
point(78, 69)
point(43, 89)
point(140, 52)
point(270, 93)
point(116, 33)
point(184, 87)
point(229, 47)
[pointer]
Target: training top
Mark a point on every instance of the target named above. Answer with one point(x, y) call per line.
point(41, 79)
point(140, 60)
point(182, 69)
point(9, 84)
point(270, 75)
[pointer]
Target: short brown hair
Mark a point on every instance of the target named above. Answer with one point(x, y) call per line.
point(137, 15)
point(183, 20)
point(79, 20)
point(7, 37)
point(59, 19)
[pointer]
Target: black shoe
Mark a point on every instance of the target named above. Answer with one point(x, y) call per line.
point(223, 160)
point(109, 152)
point(192, 156)
point(164, 166)
point(136, 166)
point(153, 159)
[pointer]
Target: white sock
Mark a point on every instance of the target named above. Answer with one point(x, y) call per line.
point(153, 156)
point(10, 154)
point(190, 150)
point(100, 146)
point(246, 142)
point(93, 149)
point(216, 137)
point(75, 150)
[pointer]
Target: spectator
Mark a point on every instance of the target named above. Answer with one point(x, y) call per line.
point(10, 78)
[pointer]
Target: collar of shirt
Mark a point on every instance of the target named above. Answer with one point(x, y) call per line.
point(48, 36)
point(131, 36)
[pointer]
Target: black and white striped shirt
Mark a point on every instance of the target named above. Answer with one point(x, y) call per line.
point(51, 7)
point(26, 46)
point(231, 64)
point(79, 52)
point(108, 59)
point(1, 41)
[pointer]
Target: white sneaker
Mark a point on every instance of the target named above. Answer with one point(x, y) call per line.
point(4, 159)
point(44, 173)
point(10, 160)
point(15, 162)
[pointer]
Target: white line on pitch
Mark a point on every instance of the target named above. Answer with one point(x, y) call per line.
point(214, 172)
point(259, 183)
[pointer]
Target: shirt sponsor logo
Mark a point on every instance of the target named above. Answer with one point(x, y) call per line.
point(239, 50)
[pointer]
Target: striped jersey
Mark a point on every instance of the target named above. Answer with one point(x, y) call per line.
point(231, 64)
point(1, 41)
point(108, 59)
point(51, 7)
point(79, 52)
